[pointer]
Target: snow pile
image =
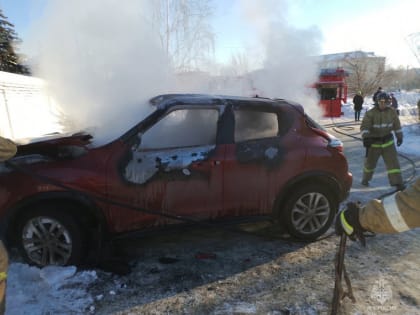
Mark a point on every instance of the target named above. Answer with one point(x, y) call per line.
point(51, 290)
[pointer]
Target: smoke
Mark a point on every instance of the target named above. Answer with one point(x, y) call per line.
point(102, 61)
point(289, 54)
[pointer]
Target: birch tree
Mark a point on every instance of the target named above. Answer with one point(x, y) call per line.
point(185, 32)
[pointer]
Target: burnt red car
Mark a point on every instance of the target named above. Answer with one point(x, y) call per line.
point(196, 157)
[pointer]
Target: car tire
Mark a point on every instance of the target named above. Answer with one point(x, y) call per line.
point(49, 235)
point(309, 211)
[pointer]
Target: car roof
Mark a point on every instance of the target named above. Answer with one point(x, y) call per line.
point(165, 101)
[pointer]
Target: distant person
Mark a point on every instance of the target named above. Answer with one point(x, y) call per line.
point(418, 108)
point(394, 103)
point(377, 127)
point(375, 95)
point(7, 150)
point(358, 103)
point(396, 213)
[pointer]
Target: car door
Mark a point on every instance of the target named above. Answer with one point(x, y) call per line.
point(256, 151)
point(176, 169)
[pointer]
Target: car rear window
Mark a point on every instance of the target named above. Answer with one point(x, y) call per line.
point(255, 125)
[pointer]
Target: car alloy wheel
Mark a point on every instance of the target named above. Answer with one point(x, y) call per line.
point(310, 213)
point(46, 241)
point(50, 234)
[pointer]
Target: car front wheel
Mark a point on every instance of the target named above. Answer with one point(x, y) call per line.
point(309, 212)
point(50, 236)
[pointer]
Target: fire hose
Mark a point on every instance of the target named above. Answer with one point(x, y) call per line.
point(340, 271)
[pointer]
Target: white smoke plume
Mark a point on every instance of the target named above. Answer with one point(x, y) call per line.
point(102, 61)
point(288, 66)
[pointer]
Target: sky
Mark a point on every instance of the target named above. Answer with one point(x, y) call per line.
point(380, 26)
point(114, 72)
point(275, 35)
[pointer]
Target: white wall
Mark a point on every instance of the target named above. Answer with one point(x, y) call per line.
point(26, 110)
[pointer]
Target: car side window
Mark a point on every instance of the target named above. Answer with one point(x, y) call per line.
point(182, 128)
point(255, 125)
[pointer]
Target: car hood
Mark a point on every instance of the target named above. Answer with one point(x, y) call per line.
point(57, 145)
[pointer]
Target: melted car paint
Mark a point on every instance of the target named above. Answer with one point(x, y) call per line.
point(56, 146)
point(145, 164)
point(266, 151)
point(23, 160)
point(271, 153)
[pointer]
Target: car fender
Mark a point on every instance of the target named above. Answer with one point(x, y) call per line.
point(88, 209)
point(319, 177)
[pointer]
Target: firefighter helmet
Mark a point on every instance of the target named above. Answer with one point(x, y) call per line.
point(383, 96)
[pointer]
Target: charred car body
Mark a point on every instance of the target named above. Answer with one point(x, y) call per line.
point(201, 157)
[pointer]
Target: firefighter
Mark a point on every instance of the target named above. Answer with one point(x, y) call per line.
point(394, 103)
point(376, 128)
point(7, 150)
point(418, 109)
point(375, 95)
point(397, 213)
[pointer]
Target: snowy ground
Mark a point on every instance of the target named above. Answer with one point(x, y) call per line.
point(218, 273)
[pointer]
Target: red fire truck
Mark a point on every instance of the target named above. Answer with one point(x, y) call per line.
point(332, 89)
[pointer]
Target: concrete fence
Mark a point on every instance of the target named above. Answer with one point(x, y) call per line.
point(26, 109)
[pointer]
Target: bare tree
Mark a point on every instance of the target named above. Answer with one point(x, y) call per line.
point(410, 79)
point(185, 32)
point(413, 41)
point(237, 66)
point(403, 78)
point(364, 75)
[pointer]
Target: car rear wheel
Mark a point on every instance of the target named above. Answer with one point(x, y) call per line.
point(50, 236)
point(309, 212)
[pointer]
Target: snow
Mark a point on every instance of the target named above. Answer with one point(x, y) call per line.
point(50, 290)
point(64, 290)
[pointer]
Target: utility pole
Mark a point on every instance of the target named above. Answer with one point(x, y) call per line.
point(7, 112)
point(167, 28)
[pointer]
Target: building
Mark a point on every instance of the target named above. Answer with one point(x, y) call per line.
point(366, 71)
point(345, 61)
